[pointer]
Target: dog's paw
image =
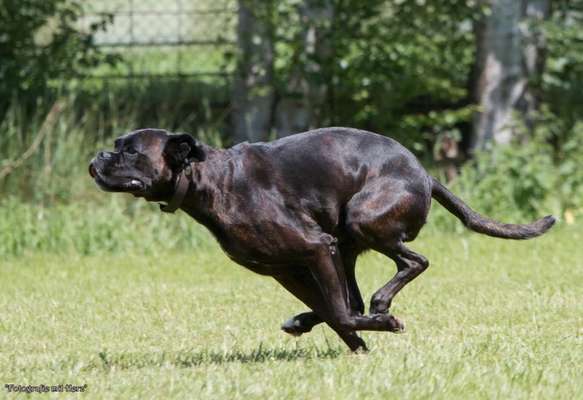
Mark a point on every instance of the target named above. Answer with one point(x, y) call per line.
point(390, 322)
point(362, 350)
point(395, 324)
point(294, 327)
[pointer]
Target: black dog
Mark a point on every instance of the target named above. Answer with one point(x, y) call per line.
point(301, 209)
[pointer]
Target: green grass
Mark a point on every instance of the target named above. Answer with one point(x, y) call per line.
point(489, 319)
point(170, 61)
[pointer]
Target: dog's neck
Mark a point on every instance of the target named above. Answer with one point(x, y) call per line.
point(185, 182)
point(181, 188)
point(204, 190)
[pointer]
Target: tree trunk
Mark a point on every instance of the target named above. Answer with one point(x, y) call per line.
point(534, 57)
point(509, 54)
point(253, 94)
point(302, 101)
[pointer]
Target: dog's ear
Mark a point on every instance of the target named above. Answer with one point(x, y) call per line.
point(182, 147)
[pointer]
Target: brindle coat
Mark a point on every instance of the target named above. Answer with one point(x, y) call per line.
point(301, 209)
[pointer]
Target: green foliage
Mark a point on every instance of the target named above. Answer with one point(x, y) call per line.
point(385, 64)
point(522, 181)
point(541, 170)
point(562, 94)
point(87, 122)
point(106, 226)
point(49, 203)
point(563, 76)
point(509, 182)
point(397, 67)
point(41, 41)
point(570, 171)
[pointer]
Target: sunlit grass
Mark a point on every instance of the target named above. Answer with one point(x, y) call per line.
point(490, 318)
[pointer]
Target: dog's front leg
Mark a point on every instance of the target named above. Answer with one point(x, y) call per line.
point(304, 287)
point(301, 323)
point(327, 270)
point(304, 322)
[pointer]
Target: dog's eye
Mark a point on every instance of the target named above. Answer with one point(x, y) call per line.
point(130, 152)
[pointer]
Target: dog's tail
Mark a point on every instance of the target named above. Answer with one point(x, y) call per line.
point(487, 226)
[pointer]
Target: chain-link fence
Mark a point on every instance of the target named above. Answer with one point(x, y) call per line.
point(166, 38)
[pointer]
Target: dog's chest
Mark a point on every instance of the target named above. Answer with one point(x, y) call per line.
point(262, 229)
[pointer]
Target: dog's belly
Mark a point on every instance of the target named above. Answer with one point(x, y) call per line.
point(259, 267)
point(263, 264)
point(268, 247)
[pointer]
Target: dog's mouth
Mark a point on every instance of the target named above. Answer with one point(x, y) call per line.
point(92, 171)
point(116, 183)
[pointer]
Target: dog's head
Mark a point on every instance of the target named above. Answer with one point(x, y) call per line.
point(145, 163)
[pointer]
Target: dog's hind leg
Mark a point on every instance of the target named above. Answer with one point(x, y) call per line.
point(349, 255)
point(304, 322)
point(328, 272)
point(383, 221)
point(301, 323)
point(302, 285)
point(409, 266)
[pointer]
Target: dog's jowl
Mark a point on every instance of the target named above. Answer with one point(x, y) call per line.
point(301, 209)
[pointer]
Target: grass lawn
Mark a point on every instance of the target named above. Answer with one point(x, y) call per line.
point(489, 319)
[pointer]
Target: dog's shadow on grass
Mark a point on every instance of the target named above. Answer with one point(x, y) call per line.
point(193, 358)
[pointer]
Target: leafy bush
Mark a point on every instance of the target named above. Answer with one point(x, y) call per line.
point(396, 67)
point(522, 181)
point(563, 76)
point(43, 42)
point(570, 171)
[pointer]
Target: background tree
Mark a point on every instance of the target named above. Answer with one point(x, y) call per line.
point(509, 59)
point(253, 91)
point(304, 92)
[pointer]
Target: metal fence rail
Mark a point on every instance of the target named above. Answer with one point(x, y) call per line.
point(165, 38)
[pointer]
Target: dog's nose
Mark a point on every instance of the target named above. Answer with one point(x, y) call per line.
point(104, 155)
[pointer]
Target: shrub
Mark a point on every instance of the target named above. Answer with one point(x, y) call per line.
point(41, 41)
